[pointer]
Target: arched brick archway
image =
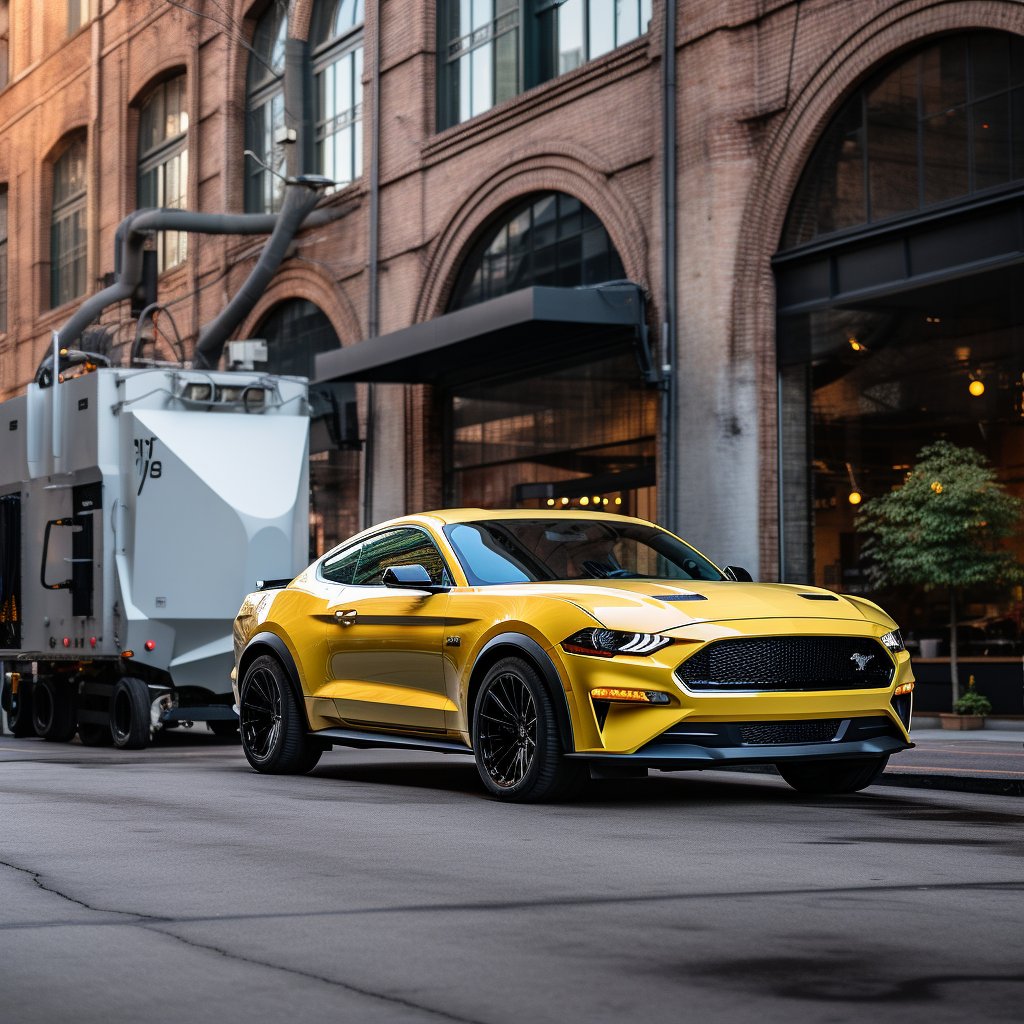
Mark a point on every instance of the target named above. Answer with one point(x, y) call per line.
point(574, 172)
point(786, 153)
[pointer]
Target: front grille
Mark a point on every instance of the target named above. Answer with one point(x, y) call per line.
point(791, 732)
point(788, 663)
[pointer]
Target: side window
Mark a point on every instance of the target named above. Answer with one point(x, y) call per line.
point(340, 568)
point(399, 547)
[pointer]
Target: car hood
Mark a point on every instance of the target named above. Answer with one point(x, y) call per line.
point(652, 607)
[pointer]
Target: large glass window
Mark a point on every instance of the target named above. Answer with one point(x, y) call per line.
point(944, 123)
point(552, 239)
point(5, 43)
point(67, 225)
point(337, 41)
point(491, 50)
point(588, 28)
point(78, 11)
point(868, 380)
point(264, 176)
point(163, 162)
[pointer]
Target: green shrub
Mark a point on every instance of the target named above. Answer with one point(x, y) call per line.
point(973, 703)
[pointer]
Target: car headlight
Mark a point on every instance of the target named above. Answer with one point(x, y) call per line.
point(606, 643)
point(894, 641)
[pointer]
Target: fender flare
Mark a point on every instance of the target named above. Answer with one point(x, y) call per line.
point(549, 675)
point(267, 642)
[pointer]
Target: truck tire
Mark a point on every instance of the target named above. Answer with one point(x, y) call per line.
point(93, 735)
point(273, 725)
point(129, 714)
point(19, 717)
point(53, 711)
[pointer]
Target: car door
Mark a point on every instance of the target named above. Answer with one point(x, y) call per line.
point(384, 648)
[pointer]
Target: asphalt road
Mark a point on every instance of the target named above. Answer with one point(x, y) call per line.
point(176, 885)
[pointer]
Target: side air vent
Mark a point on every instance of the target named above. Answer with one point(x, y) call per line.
point(818, 597)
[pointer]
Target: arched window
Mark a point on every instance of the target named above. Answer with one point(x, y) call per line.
point(67, 225)
point(550, 239)
point(163, 162)
point(264, 104)
point(336, 41)
point(943, 123)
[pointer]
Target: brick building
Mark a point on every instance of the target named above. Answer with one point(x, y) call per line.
point(846, 185)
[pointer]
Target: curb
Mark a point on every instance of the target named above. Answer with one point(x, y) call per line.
point(953, 783)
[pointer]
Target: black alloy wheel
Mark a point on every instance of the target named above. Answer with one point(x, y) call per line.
point(272, 724)
point(828, 778)
point(518, 751)
point(130, 725)
point(53, 711)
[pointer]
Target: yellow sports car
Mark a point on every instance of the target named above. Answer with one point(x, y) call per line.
point(557, 646)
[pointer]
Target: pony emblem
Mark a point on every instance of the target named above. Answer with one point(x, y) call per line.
point(862, 660)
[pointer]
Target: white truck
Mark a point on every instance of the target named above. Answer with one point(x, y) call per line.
point(137, 508)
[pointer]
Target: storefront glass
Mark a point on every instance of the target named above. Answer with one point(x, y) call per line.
point(865, 385)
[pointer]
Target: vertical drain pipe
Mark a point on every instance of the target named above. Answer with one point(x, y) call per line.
point(669, 397)
point(373, 297)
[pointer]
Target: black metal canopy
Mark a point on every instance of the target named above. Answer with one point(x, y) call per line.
point(514, 333)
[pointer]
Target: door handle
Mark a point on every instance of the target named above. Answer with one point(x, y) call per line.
point(346, 617)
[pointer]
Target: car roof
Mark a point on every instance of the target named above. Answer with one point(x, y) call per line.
point(465, 515)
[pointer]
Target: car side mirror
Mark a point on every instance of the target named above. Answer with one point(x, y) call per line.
point(410, 577)
point(738, 574)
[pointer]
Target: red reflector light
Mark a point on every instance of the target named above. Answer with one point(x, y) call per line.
point(67, 642)
point(127, 654)
point(150, 644)
point(92, 641)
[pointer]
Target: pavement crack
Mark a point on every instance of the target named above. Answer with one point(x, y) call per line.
point(37, 879)
point(311, 975)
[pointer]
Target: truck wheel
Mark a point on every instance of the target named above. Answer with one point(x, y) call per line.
point(19, 718)
point(53, 711)
point(515, 738)
point(129, 714)
point(832, 777)
point(273, 726)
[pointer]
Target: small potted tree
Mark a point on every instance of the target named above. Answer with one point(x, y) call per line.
point(942, 528)
point(969, 711)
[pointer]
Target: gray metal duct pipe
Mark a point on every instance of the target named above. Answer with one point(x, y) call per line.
point(298, 101)
point(300, 196)
point(131, 236)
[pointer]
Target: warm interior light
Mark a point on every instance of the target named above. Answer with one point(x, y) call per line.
point(551, 501)
point(904, 688)
point(976, 388)
point(565, 501)
point(618, 501)
point(855, 345)
point(584, 500)
point(597, 499)
point(150, 644)
point(604, 501)
point(854, 498)
point(614, 693)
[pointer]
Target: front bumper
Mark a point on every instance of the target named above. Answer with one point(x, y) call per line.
point(685, 749)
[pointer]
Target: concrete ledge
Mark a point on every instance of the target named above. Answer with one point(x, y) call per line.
point(1003, 723)
point(955, 783)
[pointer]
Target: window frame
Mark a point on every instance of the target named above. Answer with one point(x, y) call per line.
point(326, 53)
point(343, 548)
point(158, 157)
point(257, 97)
point(62, 212)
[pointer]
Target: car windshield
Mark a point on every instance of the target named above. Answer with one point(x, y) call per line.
point(539, 550)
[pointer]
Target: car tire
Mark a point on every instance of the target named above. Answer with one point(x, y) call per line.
point(53, 711)
point(130, 725)
point(518, 750)
point(826, 778)
point(19, 715)
point(273, 726)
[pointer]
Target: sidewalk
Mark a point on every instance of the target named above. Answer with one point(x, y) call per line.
point(983, 761)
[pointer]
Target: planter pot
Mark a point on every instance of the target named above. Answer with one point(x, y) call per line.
point(952, 721)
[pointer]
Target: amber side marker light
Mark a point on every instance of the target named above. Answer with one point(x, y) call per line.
point(904, 688)
point(629, 696)
point(127, 654)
